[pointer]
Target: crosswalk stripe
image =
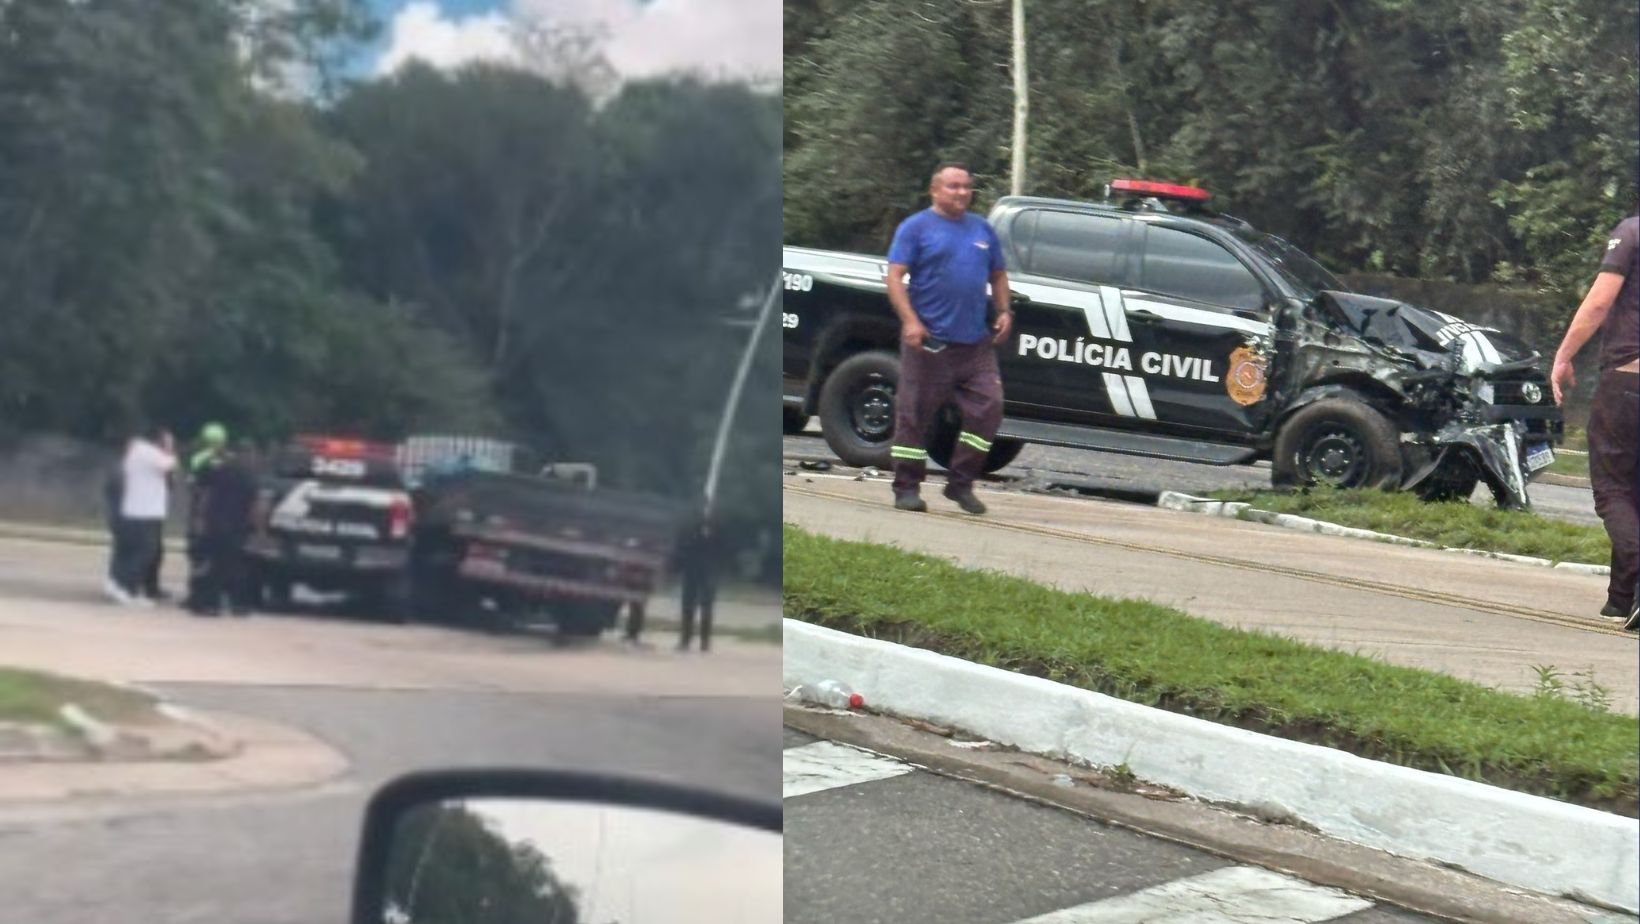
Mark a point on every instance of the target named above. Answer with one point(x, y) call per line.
point(1233, 895)
point(827, 765)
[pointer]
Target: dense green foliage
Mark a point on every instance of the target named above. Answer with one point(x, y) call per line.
point(1469, 142)
point(184, 236)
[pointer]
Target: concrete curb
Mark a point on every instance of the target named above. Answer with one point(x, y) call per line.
point(69, 535)
point(264, 757)
point(1526, 841)
point(99, 735)
point(1564, 481)
point(1175, 500)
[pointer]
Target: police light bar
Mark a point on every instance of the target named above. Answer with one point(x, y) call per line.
point(1161, 190)
point(345, 448)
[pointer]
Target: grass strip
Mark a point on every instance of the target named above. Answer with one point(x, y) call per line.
point(1546, 744)
point(1576, 465)
point(36, 698)
point(1457, 524)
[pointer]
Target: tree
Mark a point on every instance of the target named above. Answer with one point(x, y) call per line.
point(449, 866)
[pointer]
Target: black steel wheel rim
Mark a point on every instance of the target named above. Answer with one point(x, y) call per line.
point(1335, 456)
point(871, 413)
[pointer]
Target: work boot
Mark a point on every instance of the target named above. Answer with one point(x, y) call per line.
point(908, 500)
point(966, 500)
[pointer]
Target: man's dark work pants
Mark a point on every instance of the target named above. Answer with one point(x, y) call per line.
point(964, 373)
point(1614, 467)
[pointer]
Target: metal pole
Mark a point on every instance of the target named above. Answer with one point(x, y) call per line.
point(722, 443)
point(1022, 101)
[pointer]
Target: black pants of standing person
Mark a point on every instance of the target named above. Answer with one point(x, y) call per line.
point(966, 374)
point(221, 582)
point(1614, 467)
point(634, 620)
point(699, 592)
point(137, 555)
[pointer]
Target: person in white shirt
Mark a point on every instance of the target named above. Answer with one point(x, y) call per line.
point(144, 505)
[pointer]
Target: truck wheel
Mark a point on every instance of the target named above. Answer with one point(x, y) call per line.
point(857, 409)
point(391, 601)
point(942, 443)
point(583, 619)
point(276, 594)
point(1340, 442)
point(792, 421)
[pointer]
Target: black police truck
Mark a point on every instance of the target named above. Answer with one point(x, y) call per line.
point(1152, 325)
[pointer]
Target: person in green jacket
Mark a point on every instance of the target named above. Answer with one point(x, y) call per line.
point(208, 453)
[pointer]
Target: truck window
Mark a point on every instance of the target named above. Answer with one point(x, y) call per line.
point(1083, 248)
point(1188, 266)
point(1021, 232)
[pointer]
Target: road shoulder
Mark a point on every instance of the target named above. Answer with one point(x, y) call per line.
point(1416, 886)
point(194, 752)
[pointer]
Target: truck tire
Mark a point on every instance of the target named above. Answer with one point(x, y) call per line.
point(391, 600)
point(583, 619)
point(943, 442)
point(1340, 442)
point(275, 594)
point(792, 421)
point(857, 408)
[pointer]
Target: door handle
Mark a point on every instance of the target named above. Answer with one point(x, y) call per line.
point(1144, 315)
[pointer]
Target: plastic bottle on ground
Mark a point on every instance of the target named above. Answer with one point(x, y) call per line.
point(837, 695)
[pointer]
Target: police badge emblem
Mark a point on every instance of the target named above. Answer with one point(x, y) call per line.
point(1245, 383)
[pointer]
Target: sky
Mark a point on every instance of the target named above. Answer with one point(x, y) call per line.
point(638, 866)
point(735, 38)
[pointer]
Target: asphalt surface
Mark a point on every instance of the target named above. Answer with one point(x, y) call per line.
point(391, 699)
point(909, 847)
point(1042, 467)
point(289, 858)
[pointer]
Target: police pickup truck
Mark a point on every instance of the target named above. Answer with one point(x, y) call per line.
point(338, 519)
point(1149, 324)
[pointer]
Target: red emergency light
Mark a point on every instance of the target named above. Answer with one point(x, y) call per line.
point(337, 448)
point(1161, 190)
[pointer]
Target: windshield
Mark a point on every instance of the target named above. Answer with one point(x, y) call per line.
point(1294, 264)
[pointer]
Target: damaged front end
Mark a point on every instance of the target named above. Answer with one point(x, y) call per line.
point(1472, 403)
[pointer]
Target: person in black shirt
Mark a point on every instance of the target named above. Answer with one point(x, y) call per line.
point(697, 560)
point(1612, 308)
point(226, 516)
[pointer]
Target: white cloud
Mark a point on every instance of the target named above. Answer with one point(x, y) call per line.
point(737, 38)
point(420, 30)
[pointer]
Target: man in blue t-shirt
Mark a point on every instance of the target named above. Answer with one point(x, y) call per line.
point(947, 338)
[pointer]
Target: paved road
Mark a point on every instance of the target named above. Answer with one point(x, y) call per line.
point(1482, 620)
point(870, 839)
point(1039, 467)
point(391, 699)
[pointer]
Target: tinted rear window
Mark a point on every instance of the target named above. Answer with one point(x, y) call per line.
point(1084, 248)
point(1189, 266)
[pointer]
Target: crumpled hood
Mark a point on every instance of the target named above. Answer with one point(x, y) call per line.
point(1429, 337)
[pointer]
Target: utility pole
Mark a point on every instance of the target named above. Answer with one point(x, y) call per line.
point(1021, 99)
point(734, 394)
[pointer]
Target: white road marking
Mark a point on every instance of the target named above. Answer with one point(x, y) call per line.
point(827, 765)
point(1234, 895)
